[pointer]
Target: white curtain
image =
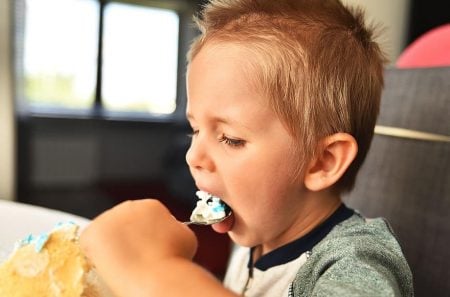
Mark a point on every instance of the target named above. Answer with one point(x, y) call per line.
point(7, 127)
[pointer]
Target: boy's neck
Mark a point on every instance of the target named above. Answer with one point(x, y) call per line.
point(315, 210)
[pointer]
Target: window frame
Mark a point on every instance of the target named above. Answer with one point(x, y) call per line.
point(186, 32)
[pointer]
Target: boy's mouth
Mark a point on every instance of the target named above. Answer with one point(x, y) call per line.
point(227, 224)
point(211, 210)
point(224, 226)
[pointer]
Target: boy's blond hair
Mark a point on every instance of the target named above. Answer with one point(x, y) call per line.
point(316, 62)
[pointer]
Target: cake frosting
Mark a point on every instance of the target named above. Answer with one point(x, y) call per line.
point(50, 265)
point(209, 209)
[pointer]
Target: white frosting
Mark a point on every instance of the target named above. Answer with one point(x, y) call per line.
point(209, 209)
point(39, 241)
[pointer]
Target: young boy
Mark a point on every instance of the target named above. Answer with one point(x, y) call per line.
point(282, 99)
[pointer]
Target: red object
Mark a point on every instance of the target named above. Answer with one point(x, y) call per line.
point(431, 49)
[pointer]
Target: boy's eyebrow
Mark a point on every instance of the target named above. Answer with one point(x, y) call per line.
point(223, 120)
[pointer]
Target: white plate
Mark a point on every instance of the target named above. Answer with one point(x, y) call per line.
point(17, 220)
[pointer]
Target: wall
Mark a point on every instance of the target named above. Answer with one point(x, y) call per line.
point(393, 16)
point(7, 128)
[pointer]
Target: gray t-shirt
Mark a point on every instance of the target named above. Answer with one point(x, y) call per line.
point(347, 255)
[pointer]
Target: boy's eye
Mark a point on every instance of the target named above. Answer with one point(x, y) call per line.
point(193, 133)
point(233, 142)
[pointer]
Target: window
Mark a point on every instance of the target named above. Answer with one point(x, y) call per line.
point(60, 53)
point(140, 57)
point(58, 56)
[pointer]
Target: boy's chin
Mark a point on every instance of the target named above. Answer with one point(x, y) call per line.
point(224, 226)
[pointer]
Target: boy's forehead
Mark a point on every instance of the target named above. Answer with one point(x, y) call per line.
point(225, 67)
point(229, 66)
point(225, 50)
point(221, 79)
point(237, 109)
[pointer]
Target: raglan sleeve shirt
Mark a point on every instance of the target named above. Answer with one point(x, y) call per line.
point(359, 257)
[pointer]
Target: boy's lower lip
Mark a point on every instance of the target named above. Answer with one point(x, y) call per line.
point(224, 226)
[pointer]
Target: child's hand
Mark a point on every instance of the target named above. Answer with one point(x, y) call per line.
point(126, 242)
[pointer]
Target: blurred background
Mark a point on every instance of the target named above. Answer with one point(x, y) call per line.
point(92, 98)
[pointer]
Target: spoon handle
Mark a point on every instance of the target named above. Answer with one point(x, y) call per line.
point(197, 223)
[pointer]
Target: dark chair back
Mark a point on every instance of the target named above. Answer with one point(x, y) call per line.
point(406, 176)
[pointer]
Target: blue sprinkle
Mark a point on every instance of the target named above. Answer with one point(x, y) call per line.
point(41, 240)
point(27, 240)
point(38, 242)
point(219, 208)
point(65, 223)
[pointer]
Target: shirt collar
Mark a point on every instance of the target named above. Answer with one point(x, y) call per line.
point(294, 249)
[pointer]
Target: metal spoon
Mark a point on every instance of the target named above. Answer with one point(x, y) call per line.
point(210, 202)
point(209, 222)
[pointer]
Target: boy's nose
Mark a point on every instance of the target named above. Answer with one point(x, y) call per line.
point(198, 157)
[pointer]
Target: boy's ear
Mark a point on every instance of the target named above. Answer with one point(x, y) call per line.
point(336, 153)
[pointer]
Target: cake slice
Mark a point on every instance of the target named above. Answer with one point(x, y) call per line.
point(50, 265)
